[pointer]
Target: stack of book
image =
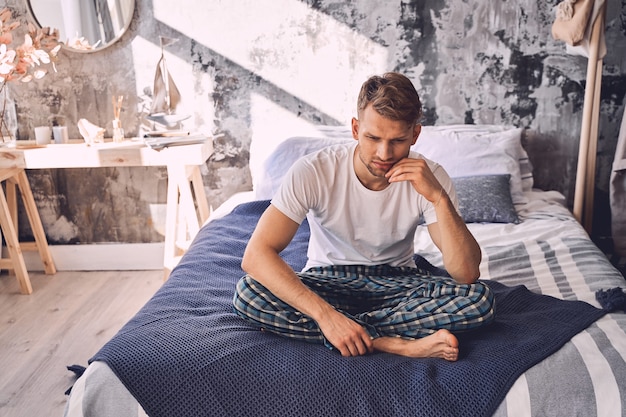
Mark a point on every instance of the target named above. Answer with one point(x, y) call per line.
point(162, 139)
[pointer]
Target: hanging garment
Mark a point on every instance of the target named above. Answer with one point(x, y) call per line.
point(617, 193)
point(571, 21)
point(573, 25)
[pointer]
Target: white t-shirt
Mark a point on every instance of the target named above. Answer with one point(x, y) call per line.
point(351, 224)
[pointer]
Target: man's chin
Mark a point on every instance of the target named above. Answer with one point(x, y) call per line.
point(377, 172)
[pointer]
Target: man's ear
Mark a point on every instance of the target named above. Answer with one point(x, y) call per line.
point(355, 128)
point(416, 132)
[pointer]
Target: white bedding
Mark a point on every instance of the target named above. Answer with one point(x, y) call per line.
point(547, 251)
point(546, 233)
point(586, 377)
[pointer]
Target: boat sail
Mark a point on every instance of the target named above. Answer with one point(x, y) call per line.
point(166, 98)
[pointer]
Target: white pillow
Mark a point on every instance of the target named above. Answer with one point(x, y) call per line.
point(463, 150)
point(285, 154)
point(469, 150)
point(262, 147)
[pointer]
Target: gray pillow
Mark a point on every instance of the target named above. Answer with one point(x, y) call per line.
point(485, 199)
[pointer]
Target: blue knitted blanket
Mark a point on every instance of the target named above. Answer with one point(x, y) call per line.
point(187, 354)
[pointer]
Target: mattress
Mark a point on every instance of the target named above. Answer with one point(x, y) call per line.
point(552, 350)
point(546, 252)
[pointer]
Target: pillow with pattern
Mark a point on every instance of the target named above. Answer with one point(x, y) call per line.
point(485, 199)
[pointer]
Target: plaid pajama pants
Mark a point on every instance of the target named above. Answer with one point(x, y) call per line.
point(386, 301)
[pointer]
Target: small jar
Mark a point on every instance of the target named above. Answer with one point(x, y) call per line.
point(118, 131)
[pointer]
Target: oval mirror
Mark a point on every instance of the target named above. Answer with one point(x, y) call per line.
point(84, 26)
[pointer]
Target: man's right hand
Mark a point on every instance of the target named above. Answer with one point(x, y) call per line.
point(347, 336)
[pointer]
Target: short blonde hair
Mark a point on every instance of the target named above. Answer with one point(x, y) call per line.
point(393, 96)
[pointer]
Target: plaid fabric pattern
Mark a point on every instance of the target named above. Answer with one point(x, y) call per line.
point(387, 301)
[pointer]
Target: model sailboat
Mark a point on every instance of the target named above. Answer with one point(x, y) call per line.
point(166, 100)
point(164, 115)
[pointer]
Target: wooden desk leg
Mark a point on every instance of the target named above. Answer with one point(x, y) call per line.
point(12, 200)
point(11, 195)
point(171, 221)
point(198, 190)
point(181, 220)
point(35, 223)
point(13, 246)
point(190, 227)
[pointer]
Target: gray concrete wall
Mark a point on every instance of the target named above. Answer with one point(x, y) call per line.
point(252, 71)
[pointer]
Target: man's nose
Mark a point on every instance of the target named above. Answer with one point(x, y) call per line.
point(384, 151)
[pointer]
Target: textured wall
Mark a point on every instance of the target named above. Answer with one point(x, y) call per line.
point(252, 71)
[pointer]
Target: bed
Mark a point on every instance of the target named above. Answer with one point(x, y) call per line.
point(557, 346)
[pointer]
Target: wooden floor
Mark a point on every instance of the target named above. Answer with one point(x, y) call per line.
point(66, 319)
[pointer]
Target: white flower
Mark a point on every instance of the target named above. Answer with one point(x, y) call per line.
point(25, 61)
point(7, 58)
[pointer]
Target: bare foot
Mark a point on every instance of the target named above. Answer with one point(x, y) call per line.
point(441, 344)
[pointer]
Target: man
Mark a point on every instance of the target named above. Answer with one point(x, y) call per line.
point(360, 290)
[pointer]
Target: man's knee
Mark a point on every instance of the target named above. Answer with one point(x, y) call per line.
point(246, 292)
point(484, 302)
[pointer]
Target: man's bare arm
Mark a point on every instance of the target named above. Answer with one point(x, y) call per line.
point(460, 251)
point(262, 261)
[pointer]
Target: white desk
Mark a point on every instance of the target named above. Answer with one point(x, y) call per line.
point(183, 169)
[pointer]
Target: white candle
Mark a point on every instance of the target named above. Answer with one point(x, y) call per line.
point(60, 134)
point(42, 135)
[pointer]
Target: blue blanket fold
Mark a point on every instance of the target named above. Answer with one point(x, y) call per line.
point(187, 354)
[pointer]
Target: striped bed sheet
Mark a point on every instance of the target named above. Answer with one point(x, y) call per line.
point(549, 253)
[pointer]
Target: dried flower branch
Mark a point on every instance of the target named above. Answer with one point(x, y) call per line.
point(23, 62)
point(28, 60)
point(81, 44)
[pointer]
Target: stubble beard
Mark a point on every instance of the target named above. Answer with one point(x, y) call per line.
point(371, 168)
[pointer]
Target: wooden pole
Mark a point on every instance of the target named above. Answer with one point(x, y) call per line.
point(592, 154)
point(585, 175)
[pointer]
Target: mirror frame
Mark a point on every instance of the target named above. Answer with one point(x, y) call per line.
point(86, 51)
